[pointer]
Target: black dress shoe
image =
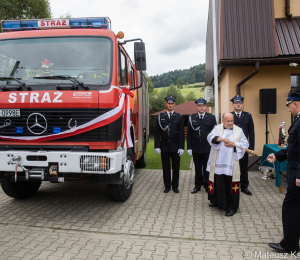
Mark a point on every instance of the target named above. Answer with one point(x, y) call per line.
point(195, 190)
point(230, 212)
point(279, 248)
point(166, 190)
point(176, 190)
point(246, 191)
point(213, 205)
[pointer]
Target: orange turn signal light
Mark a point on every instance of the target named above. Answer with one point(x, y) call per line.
point(120, 35)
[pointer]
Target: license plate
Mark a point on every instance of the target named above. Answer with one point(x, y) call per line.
point(10, 113)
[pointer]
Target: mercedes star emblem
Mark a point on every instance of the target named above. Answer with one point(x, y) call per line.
point(36, 123)
point(70, 125)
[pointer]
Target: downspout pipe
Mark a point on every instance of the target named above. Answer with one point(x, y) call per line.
point(288, 9)
point(215, 61)
point(253, 73)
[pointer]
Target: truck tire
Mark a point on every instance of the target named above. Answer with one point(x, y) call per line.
point(141, 163)
point(21, 189)
point(121, 192)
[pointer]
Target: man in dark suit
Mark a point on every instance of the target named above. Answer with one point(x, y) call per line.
point(169, 141)
point(199, 126)
point(291, 203)
point(244, 120)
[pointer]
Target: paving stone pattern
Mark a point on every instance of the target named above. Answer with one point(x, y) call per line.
point(76, 220)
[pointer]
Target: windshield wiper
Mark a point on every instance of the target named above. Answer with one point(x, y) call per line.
point(64, 77)
point(22, 84)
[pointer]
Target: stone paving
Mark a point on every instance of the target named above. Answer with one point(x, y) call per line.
point(75, 220)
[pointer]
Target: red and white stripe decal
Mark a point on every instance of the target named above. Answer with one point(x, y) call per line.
point(127, 118)
point(99, 121)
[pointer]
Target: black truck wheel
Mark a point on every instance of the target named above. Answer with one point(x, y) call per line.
point(121, 192)
point(21, 189)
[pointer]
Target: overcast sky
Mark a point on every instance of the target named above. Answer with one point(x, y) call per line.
point(174, 31)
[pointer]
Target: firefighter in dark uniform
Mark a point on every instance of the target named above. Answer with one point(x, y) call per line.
point(199, 126)
point(169, 141)
point(291, 203)
point(244, 120)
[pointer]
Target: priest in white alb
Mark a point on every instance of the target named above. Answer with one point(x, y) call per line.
point(223, 164)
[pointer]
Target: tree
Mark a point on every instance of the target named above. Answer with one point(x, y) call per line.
point(191, 96)
point(156, 103)
point(67, 15)
point(175, 92)
point(24, 9)
point(196, 72)
point(150, 85)
point(179, 81)
point(193, 79)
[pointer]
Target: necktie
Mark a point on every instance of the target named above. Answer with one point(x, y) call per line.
point(201, 117)
point(238, 115)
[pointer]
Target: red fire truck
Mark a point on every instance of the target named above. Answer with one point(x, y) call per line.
point(73, 106)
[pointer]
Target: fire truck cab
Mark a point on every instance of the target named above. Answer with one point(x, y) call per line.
point(73, 105)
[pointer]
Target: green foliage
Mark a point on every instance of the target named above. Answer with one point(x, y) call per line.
point(67, 15)
point(193, 78)
point(155, 91)
point(150, 85)
point(191, 96)
point(156, 103)
point(192, 75)
point(24, 9)
point(154, 159)
point(175, 92)
point(179, 81)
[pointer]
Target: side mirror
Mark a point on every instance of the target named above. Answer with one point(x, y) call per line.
point(139, 56)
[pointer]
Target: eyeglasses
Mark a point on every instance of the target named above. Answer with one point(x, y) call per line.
point(238, 102)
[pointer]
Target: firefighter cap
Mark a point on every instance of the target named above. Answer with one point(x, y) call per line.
point(201, 101)
point(293, 96)
point(170, 99)
point(237, 98)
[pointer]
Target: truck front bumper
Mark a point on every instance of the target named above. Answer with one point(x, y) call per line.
point(67, 162)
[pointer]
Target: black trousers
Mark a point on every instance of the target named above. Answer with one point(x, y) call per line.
point(222, 193)
point(244, 171)
point(165, 159)
point(291, 218)
point(201, 175)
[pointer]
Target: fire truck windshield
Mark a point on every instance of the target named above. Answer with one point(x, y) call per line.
point(87, 59)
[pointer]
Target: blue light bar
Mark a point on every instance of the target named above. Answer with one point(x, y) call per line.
point(59, 23)
point(56, 130)
point(25, 24)
point(19, 25)
point(95, 22)
point(19, 130)
point(78, 22)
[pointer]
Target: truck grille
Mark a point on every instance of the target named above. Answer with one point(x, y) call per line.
point(59, 118)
